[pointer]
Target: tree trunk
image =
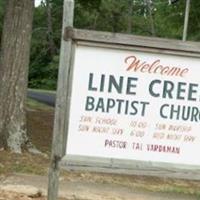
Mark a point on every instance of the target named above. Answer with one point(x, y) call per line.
point(14, 62)
point(130, 16)
point(153, 32)
point(52, 46)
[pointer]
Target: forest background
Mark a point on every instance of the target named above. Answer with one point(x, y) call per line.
point(155, 18)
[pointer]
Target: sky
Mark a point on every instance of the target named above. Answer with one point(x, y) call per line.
point(37, 2)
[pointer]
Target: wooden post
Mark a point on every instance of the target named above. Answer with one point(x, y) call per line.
point(187, 12)
point(61, 103)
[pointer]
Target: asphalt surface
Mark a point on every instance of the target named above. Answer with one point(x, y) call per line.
point(43, 97)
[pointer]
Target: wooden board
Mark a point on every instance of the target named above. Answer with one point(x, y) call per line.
point(131, 167)
point(145, 43)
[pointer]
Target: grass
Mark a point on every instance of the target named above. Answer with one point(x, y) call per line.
point(40, 125)
point(35, 105)
point(25, 163)
point(40, 119)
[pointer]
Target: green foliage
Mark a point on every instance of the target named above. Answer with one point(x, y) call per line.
point(194, 23)
point(169, 20)
point(104, 15)
point(113, 17)
point(44, 77)
point(2, 11)
point(43, 68)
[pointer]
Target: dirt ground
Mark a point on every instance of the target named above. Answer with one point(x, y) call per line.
point(40, 124)
point(4, 195)
point(15, 196)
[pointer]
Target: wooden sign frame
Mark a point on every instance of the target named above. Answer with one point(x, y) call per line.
point(72, 37)
point(141, 44)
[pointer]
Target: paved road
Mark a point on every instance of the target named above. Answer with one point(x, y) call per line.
point(43, 97)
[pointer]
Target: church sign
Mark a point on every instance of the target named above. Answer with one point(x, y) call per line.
point(132, 104)
point(125, 104)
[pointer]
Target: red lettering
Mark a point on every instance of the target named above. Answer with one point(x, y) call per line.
point(135, 64)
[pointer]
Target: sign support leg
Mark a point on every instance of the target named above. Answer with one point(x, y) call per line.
point(58, 147)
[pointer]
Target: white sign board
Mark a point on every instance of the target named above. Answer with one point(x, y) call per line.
point(134, 105)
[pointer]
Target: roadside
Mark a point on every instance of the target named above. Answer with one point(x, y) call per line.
point(73, 189)
point(19, 173)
